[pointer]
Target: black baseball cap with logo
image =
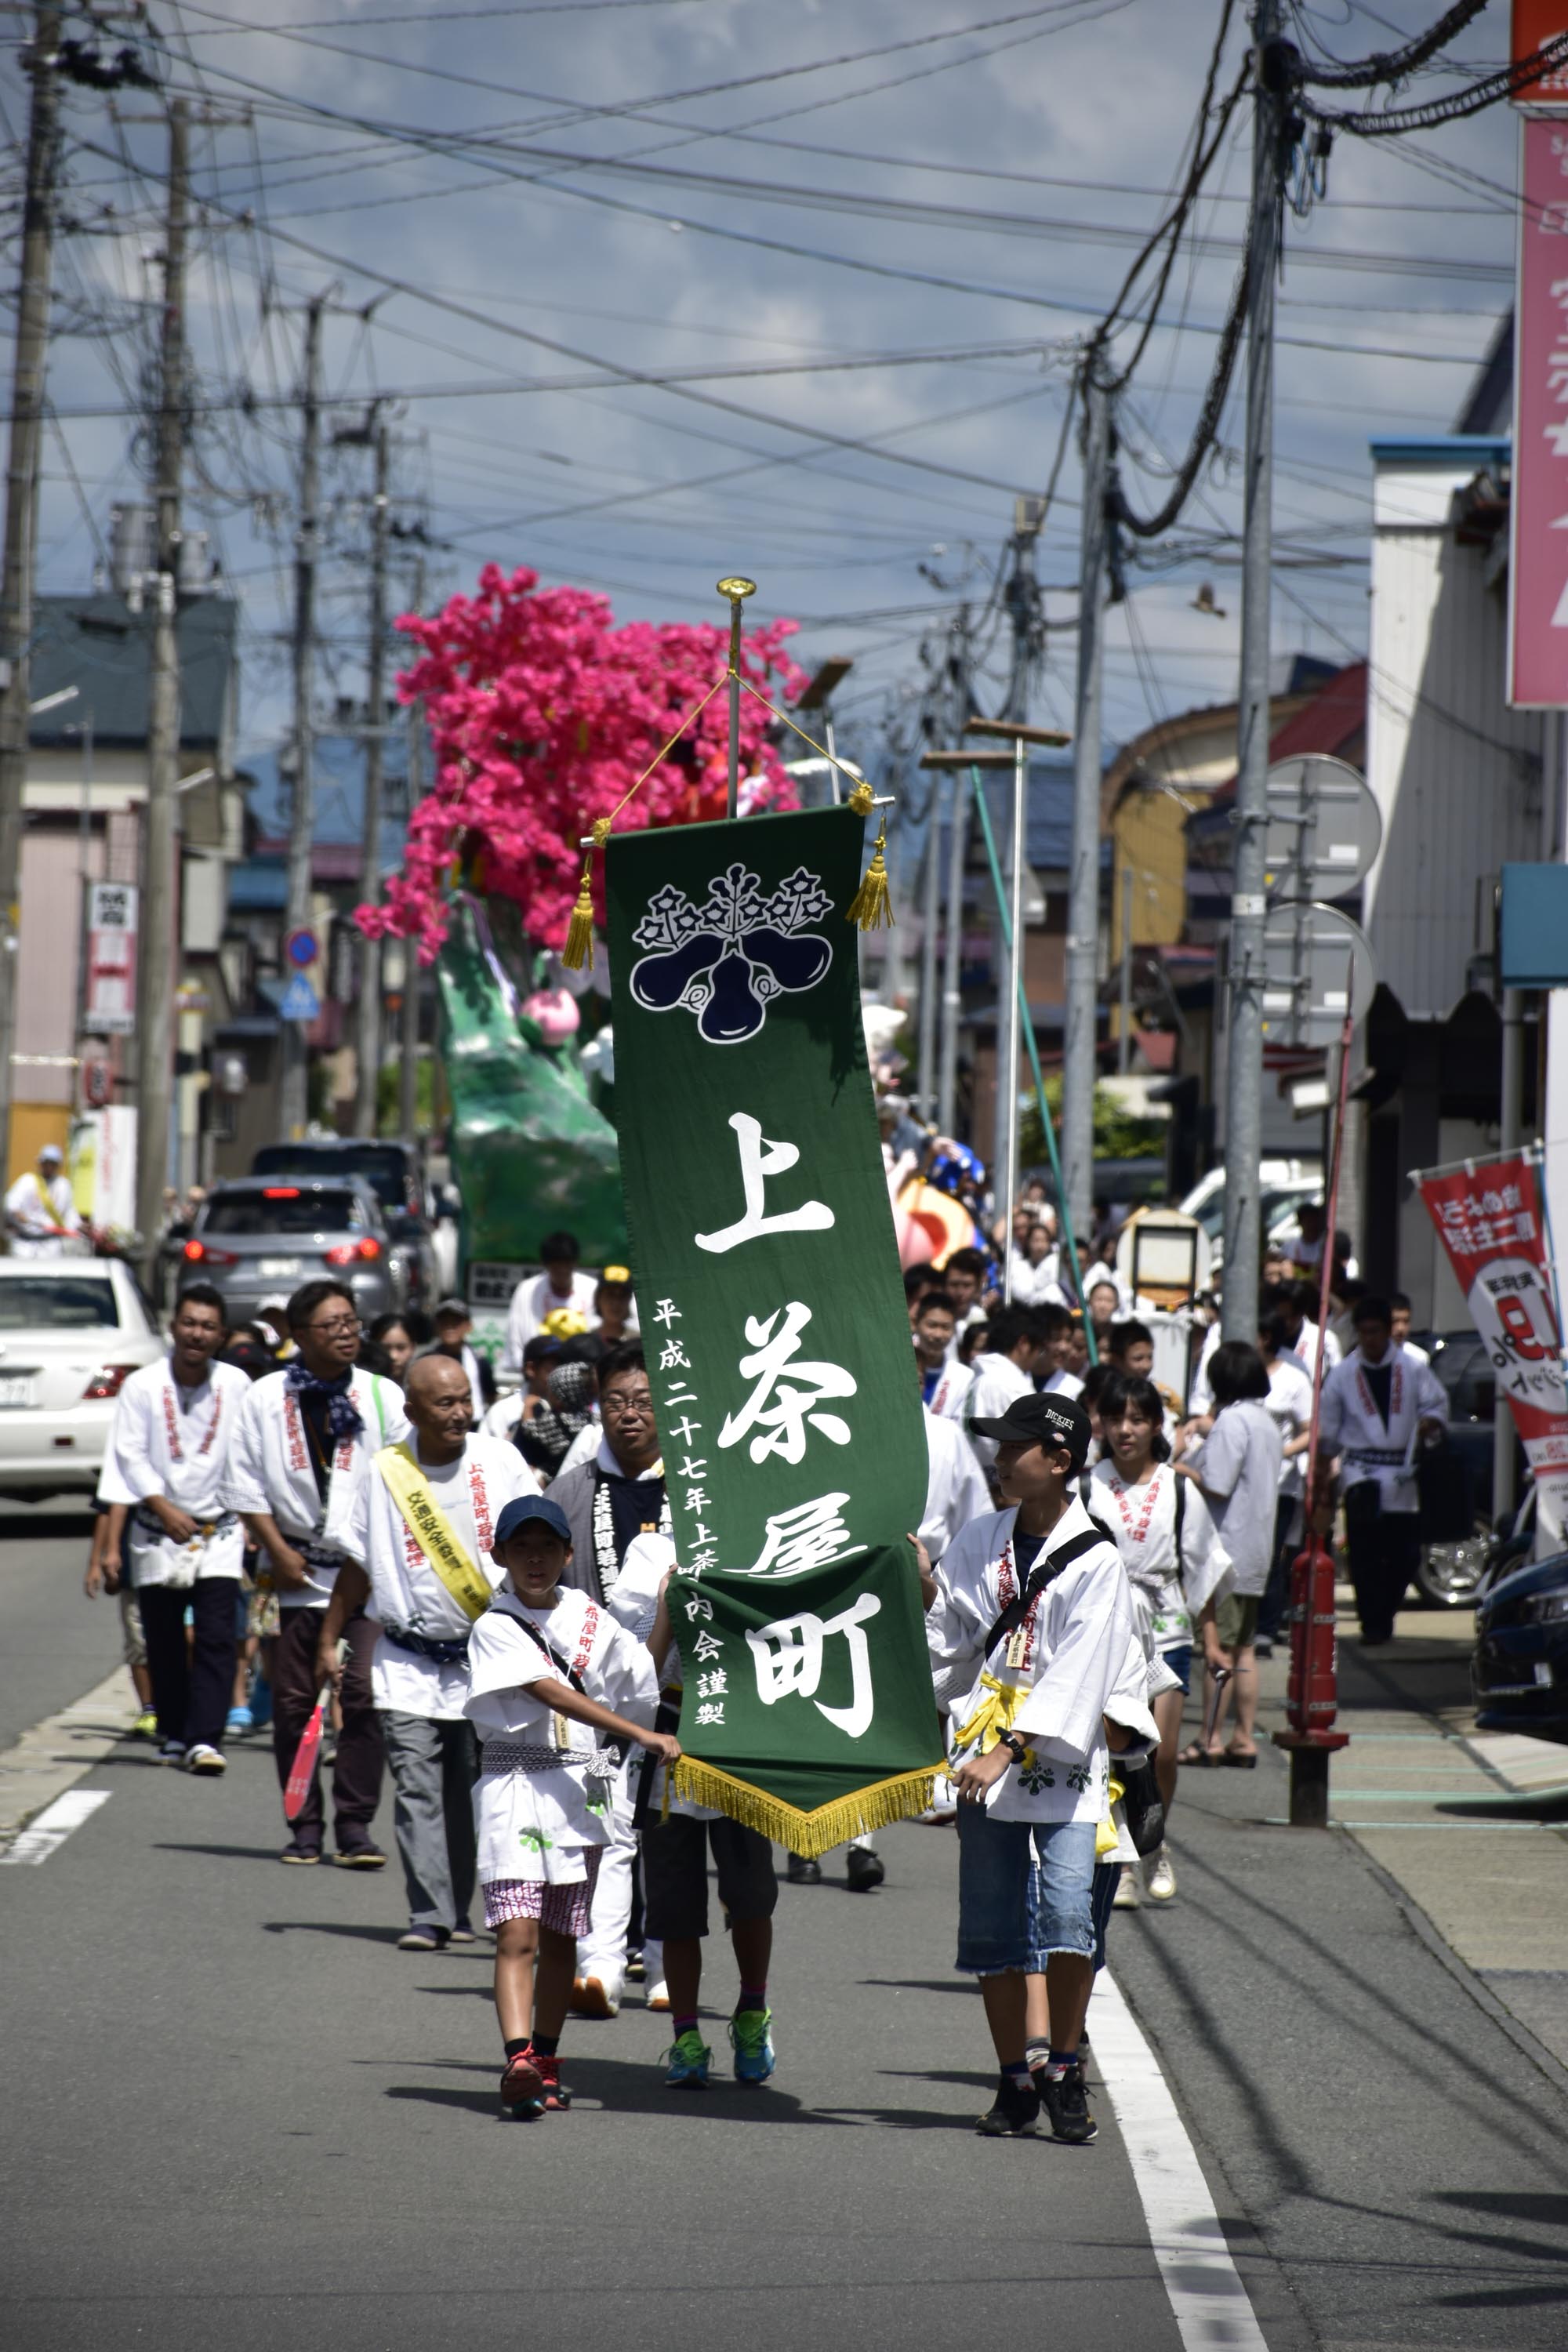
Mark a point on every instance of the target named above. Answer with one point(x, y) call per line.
point(1050, 1420)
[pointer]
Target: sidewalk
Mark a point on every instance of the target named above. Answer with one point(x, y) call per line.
point(1471, 1826)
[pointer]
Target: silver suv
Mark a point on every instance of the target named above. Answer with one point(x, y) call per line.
point(259, 1238)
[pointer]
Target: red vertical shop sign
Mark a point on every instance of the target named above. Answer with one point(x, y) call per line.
point(1536, 22)
point(1490, 1215)
point(1538, 573)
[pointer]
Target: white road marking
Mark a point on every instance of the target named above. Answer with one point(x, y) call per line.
point(1207, 2298)
point(50, 1829)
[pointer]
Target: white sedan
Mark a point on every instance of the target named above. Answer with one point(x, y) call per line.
point(71, 1330)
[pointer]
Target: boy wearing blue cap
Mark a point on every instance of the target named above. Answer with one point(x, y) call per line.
point(553, 1680)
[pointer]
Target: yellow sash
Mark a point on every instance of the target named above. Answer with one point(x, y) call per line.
point(994, 1716)
point(427, 1523)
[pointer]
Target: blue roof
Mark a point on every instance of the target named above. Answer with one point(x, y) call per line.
point(1047, 817)
point(339, 768)
point(258, 887)
point(97, 644)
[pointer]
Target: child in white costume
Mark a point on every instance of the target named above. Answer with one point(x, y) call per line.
point(542, 1661)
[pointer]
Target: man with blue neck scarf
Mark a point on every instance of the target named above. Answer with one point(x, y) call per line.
point(303, 1449)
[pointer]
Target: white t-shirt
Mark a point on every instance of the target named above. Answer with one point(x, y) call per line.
point(532, 1301)
point(998, 1382)
point(1290, 1407)
point(1238, 1466)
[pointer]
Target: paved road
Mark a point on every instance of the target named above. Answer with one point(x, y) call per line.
point(54, 1642)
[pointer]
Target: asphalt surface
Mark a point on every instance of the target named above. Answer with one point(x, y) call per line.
point(237, 2114)
point(55, 1643)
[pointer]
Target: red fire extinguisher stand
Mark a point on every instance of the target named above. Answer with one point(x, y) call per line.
point(1313, 1700)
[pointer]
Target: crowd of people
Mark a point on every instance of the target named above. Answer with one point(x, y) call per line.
point(304, 1506)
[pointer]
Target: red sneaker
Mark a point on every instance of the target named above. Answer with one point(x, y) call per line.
point(557, 2097)
point(523, 2083)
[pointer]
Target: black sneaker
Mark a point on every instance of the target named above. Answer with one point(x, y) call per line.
point(802, 1871)
point(1065, 2102)
point(1015, 2114)
point(864, 1869)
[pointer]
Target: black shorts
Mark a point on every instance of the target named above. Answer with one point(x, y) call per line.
point(675, 1875)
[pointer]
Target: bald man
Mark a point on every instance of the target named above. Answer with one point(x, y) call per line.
point(418, 1540)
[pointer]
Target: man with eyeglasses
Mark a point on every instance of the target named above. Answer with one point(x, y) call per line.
point(609, 1501)
point(302, 1448)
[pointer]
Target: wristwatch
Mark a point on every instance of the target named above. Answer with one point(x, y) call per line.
point(1013, 1744)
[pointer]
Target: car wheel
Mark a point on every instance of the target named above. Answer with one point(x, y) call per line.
point(1450, 1574)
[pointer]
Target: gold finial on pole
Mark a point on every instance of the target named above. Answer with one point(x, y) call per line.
point(737, 591)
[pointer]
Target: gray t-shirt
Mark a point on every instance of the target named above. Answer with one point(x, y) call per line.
point(1240, 1471)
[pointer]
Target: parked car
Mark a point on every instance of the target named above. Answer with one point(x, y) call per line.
point(396, 1175)
point(1452, 1571)
point(71, 1331)
point(258, 1240)
point(1283, 1185)
point(1520, 1668)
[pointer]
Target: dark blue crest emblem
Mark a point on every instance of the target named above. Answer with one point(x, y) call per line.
point(726, 960)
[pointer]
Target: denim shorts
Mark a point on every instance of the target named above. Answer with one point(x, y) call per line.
point(1180, 1661)
point(1024, 1892)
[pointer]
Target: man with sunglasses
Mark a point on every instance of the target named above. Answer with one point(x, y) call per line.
point(302, 1448)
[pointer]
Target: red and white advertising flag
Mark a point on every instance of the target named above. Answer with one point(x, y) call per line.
point(1490, 1215)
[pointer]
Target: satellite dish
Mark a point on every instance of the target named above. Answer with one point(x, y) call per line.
point(1324, 828)
point(1316, 964)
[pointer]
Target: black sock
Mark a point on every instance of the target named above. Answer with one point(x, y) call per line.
point(545, 2045)
point(519, 2043)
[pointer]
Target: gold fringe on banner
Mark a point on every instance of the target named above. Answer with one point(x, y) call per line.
point(870, 907)
point(810, 1834)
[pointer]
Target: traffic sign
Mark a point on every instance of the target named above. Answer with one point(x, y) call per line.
point(301, 948)
point(299, 1001)
point(1316, 964)
point(1324, 828)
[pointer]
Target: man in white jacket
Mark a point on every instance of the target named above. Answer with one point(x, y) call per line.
point(302, 1448)
point(1379, 1407)
point(1029, 1625)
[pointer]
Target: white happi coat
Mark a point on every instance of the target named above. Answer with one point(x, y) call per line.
point(633, 1601)
point(954, 1383)
point(405, 1593)
point(174, 1442)
point(269, 1469)
point(956, 1491)
point(1142, 1521)
point(39, 1215)
point(1077, 1637)
point(1350, 1423)
point(532, 1301)
point(998, 1382)
point(535, 1823)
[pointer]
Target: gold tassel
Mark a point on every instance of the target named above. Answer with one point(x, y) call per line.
point(871, 908)
point(579, 947)
point(810, 1834)
point(861, 799)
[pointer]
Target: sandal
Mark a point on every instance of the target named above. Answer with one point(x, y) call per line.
point(1240, 1760)
point(1198, 1754)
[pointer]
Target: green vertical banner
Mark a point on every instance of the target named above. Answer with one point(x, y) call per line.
point(774, 1323)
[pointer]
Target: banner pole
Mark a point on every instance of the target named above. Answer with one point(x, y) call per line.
point(737, 591)
point(1032, 1044)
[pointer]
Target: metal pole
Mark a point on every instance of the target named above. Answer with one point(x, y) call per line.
point(1244, 1051)
point(1505, 1459)
point(1124, 1025)
point(952, 960)
point(84, 872)
point(737, 591)
point(367, 1027)
point(27, 376)
point(1015, 995)
point(930, 914)
point(294, 1094)
point(408, 1061)
point(1082, 988)
point(161, 846)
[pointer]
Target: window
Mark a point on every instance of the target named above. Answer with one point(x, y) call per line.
point(312, 1210)
point(58, 1302)
point(383, 1166)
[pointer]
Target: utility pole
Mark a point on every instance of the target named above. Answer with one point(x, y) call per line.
point(161, 848)
point(21, 509)
point(294, 1102)
point(957, 861)
point(1022, 597)
point(1080, 1026)
point(367, 1028)
point(1244, 1044)
point(408, 1062)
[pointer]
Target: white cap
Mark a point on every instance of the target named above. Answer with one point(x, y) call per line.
point(52, 1151)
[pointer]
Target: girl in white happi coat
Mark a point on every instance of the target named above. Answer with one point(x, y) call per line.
point(1174, 1560)
point(548, 1669)
point(162, 1471)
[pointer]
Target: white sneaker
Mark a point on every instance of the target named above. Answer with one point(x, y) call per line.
point(659, 1996)
point(1160, 1877)
point(203, 1759)
point(1127, 1896)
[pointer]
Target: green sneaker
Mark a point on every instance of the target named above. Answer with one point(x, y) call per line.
point(687, 2063)
point(752, 2044)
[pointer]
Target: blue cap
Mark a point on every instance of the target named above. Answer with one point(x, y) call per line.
point(524, 1507)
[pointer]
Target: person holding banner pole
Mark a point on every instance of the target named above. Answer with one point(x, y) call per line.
point(419, 1536)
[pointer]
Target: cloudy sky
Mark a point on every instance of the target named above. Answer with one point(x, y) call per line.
point(668, 289)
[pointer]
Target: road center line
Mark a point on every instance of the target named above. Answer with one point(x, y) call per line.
point(49, 1830)
point(1207, 2298)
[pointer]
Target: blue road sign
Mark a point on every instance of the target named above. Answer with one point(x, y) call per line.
point(299, 1001)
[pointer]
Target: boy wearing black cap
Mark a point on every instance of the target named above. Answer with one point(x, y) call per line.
point(545, 1660)
point(1028, 1624)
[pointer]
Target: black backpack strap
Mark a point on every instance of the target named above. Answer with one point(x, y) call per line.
point(1044, 1573)
point(567, 1672)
